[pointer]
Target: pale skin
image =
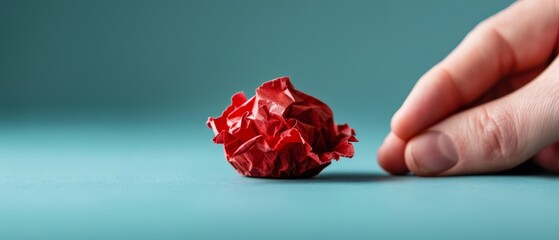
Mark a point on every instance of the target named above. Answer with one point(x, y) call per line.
point(490, 105)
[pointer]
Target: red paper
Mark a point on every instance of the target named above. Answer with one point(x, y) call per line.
point(280, 133)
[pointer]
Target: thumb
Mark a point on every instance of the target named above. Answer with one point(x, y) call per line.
point(491, 137)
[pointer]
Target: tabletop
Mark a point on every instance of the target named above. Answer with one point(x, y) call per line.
point(166, 179)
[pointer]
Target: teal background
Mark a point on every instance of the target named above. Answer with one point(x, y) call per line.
point(103, 107)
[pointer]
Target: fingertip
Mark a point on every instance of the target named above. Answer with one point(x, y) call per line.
point(401, 125)
point(391, 155)
point(433, 98)
point(431, 153)
point(410, 163)
point(396, 124)
point(548, 159)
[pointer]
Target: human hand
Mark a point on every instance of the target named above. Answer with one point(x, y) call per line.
point(490, 105)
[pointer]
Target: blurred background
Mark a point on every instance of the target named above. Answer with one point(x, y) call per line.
point(132, 57)
point(97, 76)
point(103, 107)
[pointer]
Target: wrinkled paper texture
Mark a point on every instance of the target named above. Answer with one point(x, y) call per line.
point(280, 133)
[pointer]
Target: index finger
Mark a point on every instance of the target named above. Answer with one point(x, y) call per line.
point(518, 38)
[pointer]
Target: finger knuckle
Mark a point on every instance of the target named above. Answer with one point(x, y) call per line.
point(498, 134)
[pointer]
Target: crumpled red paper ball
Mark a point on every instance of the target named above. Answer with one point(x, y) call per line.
point(280, 133)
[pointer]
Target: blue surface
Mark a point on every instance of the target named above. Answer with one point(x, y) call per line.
point(98, 179)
